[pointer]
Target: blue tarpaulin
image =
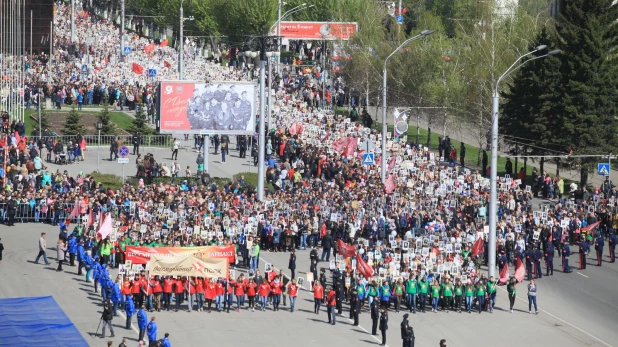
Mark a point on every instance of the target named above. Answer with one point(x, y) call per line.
point(36, 321)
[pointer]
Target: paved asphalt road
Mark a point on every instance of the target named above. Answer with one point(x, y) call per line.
point(575, 310)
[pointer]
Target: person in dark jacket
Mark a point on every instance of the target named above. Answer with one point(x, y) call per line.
point(108, 315)
point(375, 316)
point(113, 150)
point(599, 243)
point(383, 325)
point(292, 263)
point(136, 141)
point(327, 243)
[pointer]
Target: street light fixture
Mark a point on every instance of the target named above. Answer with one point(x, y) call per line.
point(99, 127)
point(423, 33)
point(493, 169)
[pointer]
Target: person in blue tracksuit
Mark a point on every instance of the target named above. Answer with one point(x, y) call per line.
point(151, 331)
point(72, 246)
point(166, 340)
point(116, 295)
point(96, 270)
point(599, 243)
point(81, 257)
point(129, 309)
point(142, 321)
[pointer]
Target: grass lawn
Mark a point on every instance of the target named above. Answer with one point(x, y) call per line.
point(122, 120)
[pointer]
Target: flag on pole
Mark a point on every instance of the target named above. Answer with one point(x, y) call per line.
point(106, 227)
point(362, 267)
point(163, 43)
point(389, 185)
point(167, 64)
point(73, 214)
point(138, 69)
point(347, 251)
point(149, 48)
point(478, 247)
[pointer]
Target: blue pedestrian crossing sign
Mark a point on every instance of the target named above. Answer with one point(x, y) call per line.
point(368, 159)
point(152, 73)
point(84, 68)
point(127, 50)
point(603, 169)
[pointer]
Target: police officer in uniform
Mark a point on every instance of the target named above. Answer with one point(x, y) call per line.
point(599, 243)
point(538, 256)
point(375, 316)
point(584, 249)
point(612, 246)
point(355, 307)
point(566, 253)
point(549, 258)
point(529, 262)
point(243, 146)
point(405, 324)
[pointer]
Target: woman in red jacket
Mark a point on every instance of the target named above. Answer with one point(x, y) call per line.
point(190, 285)
point(209, 291)
point(239, 291)
point(251, 286)
point(276, 290)
point(318, 294)
point(199, 288)
point(168, 284)
point(157, 291)
point(292, 292)
point(220, 290)
point(264, 290)
point(179, 290)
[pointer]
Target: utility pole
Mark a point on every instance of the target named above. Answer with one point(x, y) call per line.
point(181, 43)
point(122, 31)
point(73, 20)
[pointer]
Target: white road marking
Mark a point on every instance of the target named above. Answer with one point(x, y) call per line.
point(350, 320)
point(579, 273)
point(565, 322)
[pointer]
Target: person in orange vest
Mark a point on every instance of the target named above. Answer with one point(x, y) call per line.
point(331, 301)
point(318, 294)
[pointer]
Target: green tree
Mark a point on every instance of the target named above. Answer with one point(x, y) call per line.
point(140, 122)
point(109, 128)
point(529, 121)
point(587, 37)
point(72, 124)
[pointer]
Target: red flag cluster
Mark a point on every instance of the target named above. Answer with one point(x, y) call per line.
point(347, 251)
point(345, 145)
point(362, 267)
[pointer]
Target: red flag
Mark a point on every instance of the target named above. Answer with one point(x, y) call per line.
point(90, 218)
point(73, 214)
point(389, 185)
point(591, 226)
point(106, 227)
point(149, 48)
point(362, 267)
point(166, 64)
point(360, 154)
point(504, 275)
point(163, 43)
point(341, 144)
point(478, 247)
point(391, 163)
point(138, 69)
point(347, 251)
point(296, 129)
point(519, 270)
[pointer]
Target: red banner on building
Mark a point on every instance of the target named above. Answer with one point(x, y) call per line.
point(317, 30)
point(141, 255)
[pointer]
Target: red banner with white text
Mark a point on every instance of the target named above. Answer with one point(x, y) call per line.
point(141, 255)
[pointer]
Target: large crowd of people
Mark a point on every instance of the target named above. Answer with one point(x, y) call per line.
point(415, 242)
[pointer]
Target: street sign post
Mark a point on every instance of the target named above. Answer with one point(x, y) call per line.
point(368, 159)
point(123, 153)
point(603, 169)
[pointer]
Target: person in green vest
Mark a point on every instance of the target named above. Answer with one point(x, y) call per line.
point(491, 293)
point(510, 288)
point(106, 251)
point(398, 291)
point(360, 291)
point(480, 295)
point(122, 245)
point(412, 293)
point(373, 291)
point(423, 289)
point(435, 296)
point(447, 295)
point(470, 290)
point(465, 253)
point(458, 294)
